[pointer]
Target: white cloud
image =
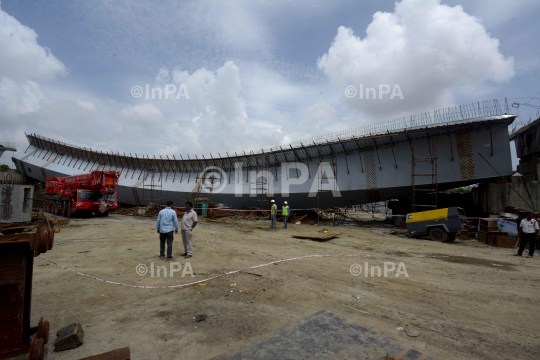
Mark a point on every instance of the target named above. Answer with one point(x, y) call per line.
point(319, 115)
point(17, 98)
point(431, 50)
point(239, 25)
point(21, 57)
point(214, 118)
point(22, 62)
point(163, 76)
point(86, 105)
point(145, 113)
point(267, 90)
point(256, 101)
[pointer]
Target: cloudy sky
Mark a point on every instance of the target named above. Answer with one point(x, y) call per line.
point(250, 74)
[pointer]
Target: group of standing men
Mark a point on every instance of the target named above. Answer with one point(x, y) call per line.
point(167, 226)
point(285, 210)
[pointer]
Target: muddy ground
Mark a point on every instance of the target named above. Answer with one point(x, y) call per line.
point(475, 306)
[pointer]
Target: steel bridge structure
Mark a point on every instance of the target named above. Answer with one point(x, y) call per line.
point(360, 165)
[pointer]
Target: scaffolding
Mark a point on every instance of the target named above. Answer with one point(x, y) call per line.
point(420, 202)
point(259, 185)
point(152, 188)
point(326, 171)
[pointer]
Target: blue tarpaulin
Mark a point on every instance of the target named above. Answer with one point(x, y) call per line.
point(508, 226)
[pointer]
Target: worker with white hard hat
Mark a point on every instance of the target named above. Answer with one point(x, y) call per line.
point(285, 213)
point(273, 211)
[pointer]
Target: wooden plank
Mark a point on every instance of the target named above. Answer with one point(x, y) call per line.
point(295, 220)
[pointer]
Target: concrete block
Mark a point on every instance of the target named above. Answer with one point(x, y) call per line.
point(69, 337)
point(16, 203)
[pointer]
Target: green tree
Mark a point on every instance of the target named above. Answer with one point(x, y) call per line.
point(4, 168)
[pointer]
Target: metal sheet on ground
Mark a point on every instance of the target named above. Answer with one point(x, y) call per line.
point(325, 335)
point(316, 236)
point(118, 354)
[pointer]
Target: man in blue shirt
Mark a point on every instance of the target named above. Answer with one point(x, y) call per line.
point(167, 222)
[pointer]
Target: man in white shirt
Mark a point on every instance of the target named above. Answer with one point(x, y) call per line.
point(189, 221)
point(528, 233)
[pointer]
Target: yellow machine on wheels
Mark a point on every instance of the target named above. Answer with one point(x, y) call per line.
point(440, 225)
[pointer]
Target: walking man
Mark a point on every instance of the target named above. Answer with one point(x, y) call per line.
point(273, 211)
point(189, 221)
point(285, 213)
point(166, 223)
point(528, 232)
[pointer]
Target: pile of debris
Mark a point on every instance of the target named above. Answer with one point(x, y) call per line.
point(256, 213)
point(217, 211)
point(502, 231)
point(245, 212)
point(252, 213)
point(517, 214)
point(13, 228)
point(490, 234)
point(469, 232)
point(151, 210)
point(298, 219)
point(129, 211)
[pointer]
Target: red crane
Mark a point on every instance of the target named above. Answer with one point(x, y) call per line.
point(93, 192)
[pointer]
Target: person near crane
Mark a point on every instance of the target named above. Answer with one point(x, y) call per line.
point(285, 213)
point(167, 222)
point(273, 212)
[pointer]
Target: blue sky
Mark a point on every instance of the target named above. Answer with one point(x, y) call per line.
point(258, 73)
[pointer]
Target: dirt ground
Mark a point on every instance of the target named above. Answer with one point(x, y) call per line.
point(471, 306)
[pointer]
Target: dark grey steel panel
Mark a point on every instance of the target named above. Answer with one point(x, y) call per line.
point(136, 196)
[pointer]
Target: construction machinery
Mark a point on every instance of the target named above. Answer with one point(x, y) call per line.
point(202, 202)
point(17, 252)
point(91, 193)
point(440, 225)
point(23, 235)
